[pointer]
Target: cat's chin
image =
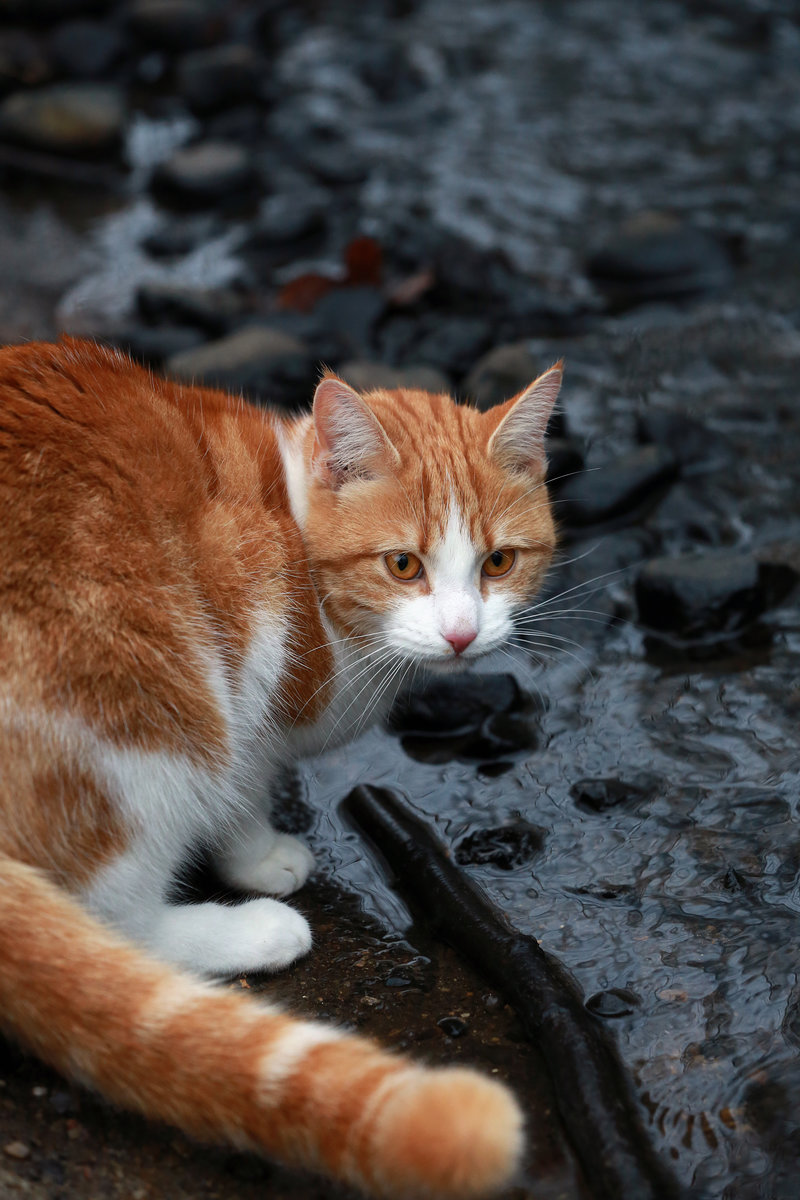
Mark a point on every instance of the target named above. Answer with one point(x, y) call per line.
point(454, 664)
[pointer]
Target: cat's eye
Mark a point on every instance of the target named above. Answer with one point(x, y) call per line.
point(498, 563)
point(404, 565)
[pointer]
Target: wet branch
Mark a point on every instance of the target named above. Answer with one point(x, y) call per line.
point(593, 1094)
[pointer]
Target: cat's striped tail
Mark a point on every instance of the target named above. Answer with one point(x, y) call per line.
point(224, 1067)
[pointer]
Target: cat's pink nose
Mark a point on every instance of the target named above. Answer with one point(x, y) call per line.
point(460, 641)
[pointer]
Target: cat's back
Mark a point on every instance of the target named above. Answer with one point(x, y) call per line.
point(140, 517)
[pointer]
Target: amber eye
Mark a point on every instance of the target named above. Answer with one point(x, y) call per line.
point(404, 565)
point(499, 563)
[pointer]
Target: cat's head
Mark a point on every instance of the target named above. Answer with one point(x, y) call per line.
point(428, 523)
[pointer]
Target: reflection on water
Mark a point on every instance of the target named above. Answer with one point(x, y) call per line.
point(685, 896)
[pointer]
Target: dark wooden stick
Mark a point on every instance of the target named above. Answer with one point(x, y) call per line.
point(593, 1095)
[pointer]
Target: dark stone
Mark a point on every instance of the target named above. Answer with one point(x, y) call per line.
point(214, 310)
point(500, 374)
point(600, 795)
point(456, 705)
point(564, 460)
point(177, 25)
point(23, 61)
point(502, 734)
point(451, 342)
point(264, 363)
point(178, 237)
point(506, 847)
point(659, 257)
point(334, 163)
point(691, 444)
point(243, 122)
point(87, 49)
point(50, 10)
point(453, 1026)
point(614, 1003)
point(618, 489)
point(207, 173)
point(445, 722)
point(350, 314)
point(286, 218)
point(364, 375)
point(155, 346)
point(714, 595)
point(85, 119)
point(62, 1102)
point(219, 77)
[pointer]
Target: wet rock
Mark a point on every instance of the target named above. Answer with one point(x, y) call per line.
point(155, 346)
point(501, 735)
point(263, 362)
point(178, 237)
point(176, 24)
point(712, 595)
point(219, 77)
point(614, 1003)
point(214, 310)
point(500, 374)
point(656, 256)
point(506, 847)
point(286, 218)
point(207, 173)
point(452, 342)
point(82, 119)
point(334, 163)
point(350, 314)
point(365, 375)
point(452, 1026)
point(691, 444)
point(443, 723)
point(86, 49)
point(50, 10)
point(564, 459)
point(450, 705)
point(600, 795)
point(23, 61)
point(243, 122)
point(625, 487)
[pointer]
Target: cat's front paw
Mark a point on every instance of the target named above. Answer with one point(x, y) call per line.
point(283, 870)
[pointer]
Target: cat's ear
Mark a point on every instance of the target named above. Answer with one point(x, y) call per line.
point(349, 440)
point(517, 442)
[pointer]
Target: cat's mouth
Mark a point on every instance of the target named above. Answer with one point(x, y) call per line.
point(454, 664)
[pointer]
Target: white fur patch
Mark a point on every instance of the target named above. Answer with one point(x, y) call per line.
point(286, 1056)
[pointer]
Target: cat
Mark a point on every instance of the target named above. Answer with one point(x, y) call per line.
point(193, 591)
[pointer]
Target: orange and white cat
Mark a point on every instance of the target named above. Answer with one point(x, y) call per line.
point(192, 591)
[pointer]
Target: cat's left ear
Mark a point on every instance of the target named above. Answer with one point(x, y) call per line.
point(349, 440)
point(517, 442)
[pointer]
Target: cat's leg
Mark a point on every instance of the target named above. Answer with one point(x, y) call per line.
point(256, 858)
point(220, 939)
point(210, 938)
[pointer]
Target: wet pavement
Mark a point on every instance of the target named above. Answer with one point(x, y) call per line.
point(611, 184)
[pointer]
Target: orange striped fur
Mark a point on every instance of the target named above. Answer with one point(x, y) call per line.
point(193, 590)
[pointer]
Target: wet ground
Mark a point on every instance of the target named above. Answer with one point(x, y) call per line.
point(615, 185)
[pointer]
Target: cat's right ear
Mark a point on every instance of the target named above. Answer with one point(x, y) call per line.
point(521, 423)
point(349, 440)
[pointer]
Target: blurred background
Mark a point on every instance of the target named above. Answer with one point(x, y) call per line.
point(452, 194)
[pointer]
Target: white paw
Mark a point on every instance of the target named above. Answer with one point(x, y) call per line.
point(216, 939)
point(268, 935)
point(280, 872)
